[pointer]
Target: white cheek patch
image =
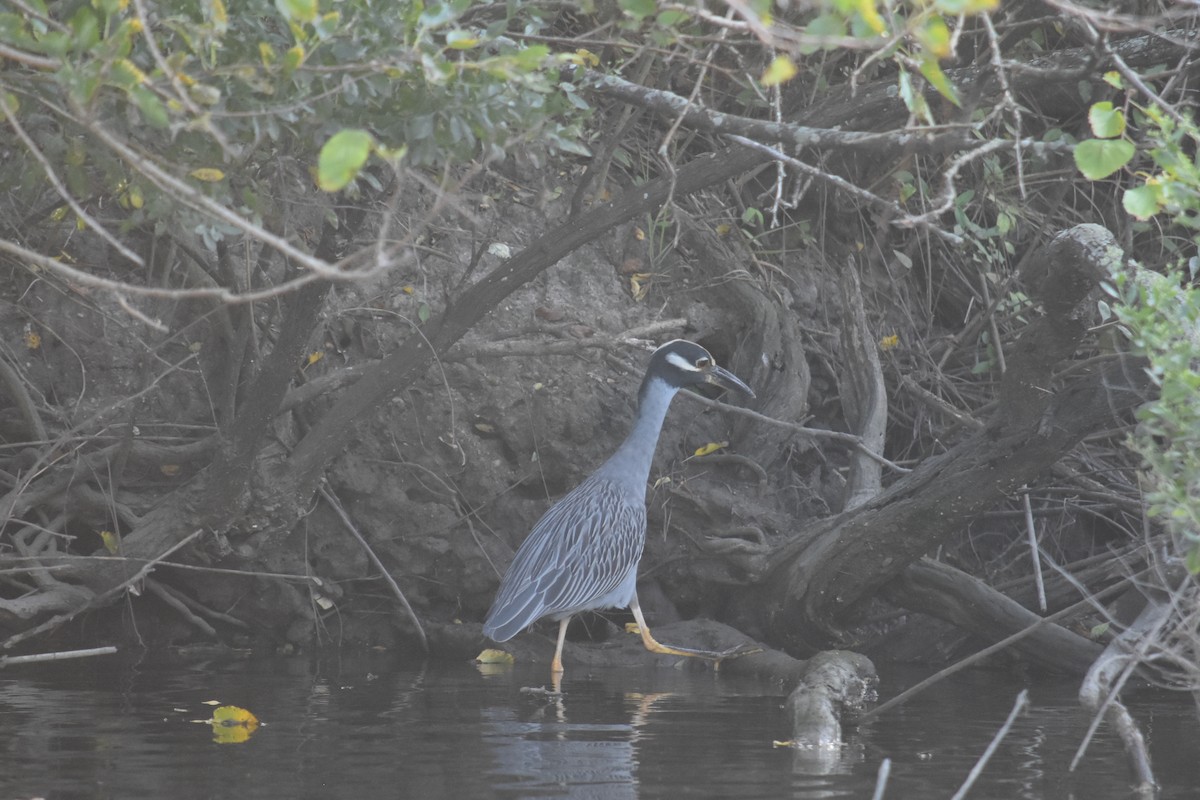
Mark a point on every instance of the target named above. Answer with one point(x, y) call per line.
point(679, 362)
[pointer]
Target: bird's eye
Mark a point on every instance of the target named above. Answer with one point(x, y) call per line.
point(703, 363)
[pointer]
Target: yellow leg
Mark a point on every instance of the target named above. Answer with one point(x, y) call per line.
point(651, 643)
point(556, 668)
point(654, 646)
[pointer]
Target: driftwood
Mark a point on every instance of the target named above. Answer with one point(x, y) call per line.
point(1100, 691)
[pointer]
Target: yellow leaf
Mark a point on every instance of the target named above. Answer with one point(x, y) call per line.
point(866, 10)
point(781, 70)
point(639, 285)
point(33, 339)
point(293, 58)
point(889, 342)
point(711, 447)
point(128, 72)
point(723, 229)
point(936, 37)
point(111, 542)
point(494, 656)
point(60, 213)
point(232, 725)
point(233, 715)
point(408, 290)
point(220, 17)
point(208, 174)
point(170, 470)
point(638, 233)
point(314, 357)
point(136, 199)
point(460, 40)
point(588, 58)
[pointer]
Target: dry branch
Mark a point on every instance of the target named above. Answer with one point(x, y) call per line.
point(823, 574)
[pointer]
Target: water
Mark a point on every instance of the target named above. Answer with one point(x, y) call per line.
point(370, 728)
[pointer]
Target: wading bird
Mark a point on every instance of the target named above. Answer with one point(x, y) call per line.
point(583, 554)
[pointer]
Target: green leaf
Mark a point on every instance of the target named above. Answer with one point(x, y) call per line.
point(530, 58)
point(1193, 560)
point(153, 110)
point(1099, 158)
point(823, 26)
point(938, 80)
point(914, 101)
point(638, 9)
point(671, 18)
point(342, 157)
point(1107, 122)
point(423, 312)
point(1142, 202)
point(86, 28)
point(297, 10)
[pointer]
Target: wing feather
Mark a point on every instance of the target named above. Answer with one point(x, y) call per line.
point(578, 552)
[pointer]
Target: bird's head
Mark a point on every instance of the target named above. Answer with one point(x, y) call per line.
point(681, 363)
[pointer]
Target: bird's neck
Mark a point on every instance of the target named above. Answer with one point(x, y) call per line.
point(633, 459)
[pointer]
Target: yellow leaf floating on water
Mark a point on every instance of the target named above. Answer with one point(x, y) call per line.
point(711, 447)
point(494, 656)
point(232, 725)
point(33, 339)
point(314, 357)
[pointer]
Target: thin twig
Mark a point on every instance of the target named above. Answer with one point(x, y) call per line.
point(848, 439)
point(1033, 551)
point(905, 219)
point(885, 768)
point(61, 655)
point(1020, 705)
point(336, 505)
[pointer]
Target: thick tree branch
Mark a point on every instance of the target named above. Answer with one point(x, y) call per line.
point(822, 575)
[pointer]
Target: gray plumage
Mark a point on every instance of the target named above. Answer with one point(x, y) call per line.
point(583, 554)
point(574, 561)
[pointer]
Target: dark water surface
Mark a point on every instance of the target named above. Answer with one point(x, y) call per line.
point(369, 728)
